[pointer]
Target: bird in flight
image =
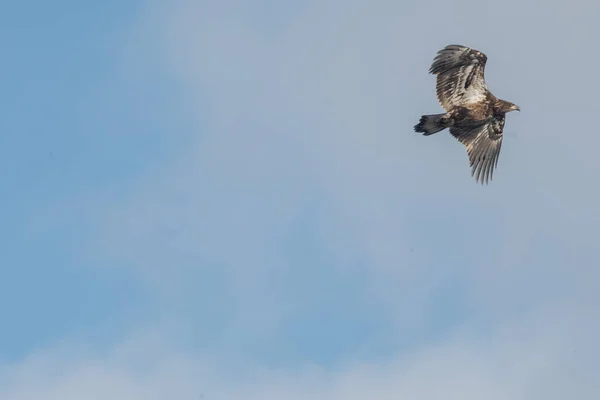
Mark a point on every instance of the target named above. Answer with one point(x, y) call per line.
point(473, 114)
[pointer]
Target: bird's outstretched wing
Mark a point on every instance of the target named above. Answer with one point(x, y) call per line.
point(460, 76)
point(483, 141)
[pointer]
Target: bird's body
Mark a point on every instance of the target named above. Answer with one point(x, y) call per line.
point(473, 114)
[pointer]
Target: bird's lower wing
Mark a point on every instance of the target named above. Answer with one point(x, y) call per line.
point(483, 141)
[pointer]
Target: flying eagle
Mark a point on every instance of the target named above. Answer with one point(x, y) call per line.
point(474, 115)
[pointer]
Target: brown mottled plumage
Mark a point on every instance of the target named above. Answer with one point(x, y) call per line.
point(473, 115)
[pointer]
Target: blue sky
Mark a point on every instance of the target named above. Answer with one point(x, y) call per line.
point(60, 63)
point(228, 199)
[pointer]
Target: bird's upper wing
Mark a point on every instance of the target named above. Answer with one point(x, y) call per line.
point(483, 140)
point(460, 76)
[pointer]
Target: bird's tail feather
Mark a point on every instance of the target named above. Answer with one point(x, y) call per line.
point(430, 124)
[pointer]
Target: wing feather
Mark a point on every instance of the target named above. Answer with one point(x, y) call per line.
point(460, 76)
point(483, 140)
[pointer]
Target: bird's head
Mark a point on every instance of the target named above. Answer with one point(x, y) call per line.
point(507, 106)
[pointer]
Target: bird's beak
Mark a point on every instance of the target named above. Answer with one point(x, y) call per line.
point(518, 108)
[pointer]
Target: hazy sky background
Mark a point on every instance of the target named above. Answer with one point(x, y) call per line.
point(227, 199)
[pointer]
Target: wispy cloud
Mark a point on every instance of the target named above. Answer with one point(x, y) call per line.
point(319, 116)
point(529, 358)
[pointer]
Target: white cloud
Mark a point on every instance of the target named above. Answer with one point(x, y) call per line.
point(323, 111)
point(531, 358)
